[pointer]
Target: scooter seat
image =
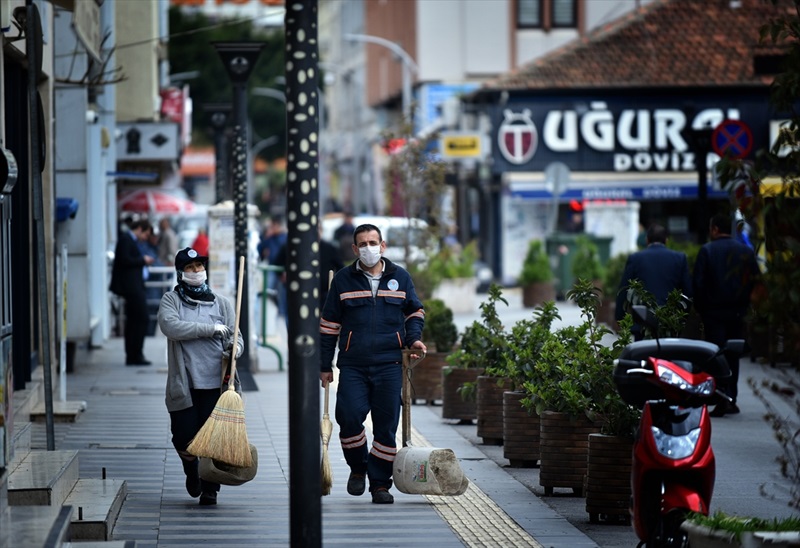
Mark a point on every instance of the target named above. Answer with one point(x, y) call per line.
point(694, 356)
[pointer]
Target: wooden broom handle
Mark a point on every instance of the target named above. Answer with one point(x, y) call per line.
point(327, 385)
point(236, 323)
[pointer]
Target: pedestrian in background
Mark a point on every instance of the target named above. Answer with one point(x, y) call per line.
point(167, 242)
point(272, 240)
point(328, 260)
point(373, 312)
point(128, 273)
point(343, 237)
point(725, 273)
point(660, 269)
point(199, 328)
point(200, 243)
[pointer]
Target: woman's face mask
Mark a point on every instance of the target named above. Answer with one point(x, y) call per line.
point(195, 279)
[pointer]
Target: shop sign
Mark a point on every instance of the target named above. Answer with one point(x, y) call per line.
point(616, 135)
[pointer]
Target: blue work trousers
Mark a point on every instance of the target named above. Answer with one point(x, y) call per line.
point(374, 389)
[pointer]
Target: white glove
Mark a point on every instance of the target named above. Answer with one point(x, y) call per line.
point(222, 330)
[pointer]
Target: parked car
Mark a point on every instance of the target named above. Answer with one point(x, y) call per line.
point(396, 232)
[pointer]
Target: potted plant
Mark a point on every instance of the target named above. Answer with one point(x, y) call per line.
point(521, 424)
point(612, 275)
point(721, 530)
point(455, 282)
point(536, 277)
point(571, 388)
point(440, 334)
point(481, 344)
point(586, 263)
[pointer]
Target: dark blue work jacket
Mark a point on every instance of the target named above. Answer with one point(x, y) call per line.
point(370, 330)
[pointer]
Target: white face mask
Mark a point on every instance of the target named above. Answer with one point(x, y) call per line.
point(195, 279)
point(370, 255)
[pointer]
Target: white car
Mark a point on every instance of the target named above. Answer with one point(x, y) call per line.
point(396, 232)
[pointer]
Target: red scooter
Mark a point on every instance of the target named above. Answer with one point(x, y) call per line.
point(672, 380)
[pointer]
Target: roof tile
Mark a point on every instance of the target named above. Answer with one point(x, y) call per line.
point(665, 43)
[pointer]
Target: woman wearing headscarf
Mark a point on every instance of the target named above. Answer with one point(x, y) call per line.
point(199, 327)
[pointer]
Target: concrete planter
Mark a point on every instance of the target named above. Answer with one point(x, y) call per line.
point(458, 294)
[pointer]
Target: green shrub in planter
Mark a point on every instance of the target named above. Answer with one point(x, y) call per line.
point(615, 267)
point(483, 342)
point(671, 318)
point(574, 371)
point(586, 263)
point(439, 326)
point(525, 343)
point(536, 267)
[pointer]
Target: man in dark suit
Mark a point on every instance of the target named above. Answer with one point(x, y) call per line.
point(127, 281)
point(725, 273)
point(659, 268)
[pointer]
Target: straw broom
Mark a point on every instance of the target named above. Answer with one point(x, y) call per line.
point(326, 429)
point(224, 436)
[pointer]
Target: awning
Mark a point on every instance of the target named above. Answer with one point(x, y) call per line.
point(608, 186)
point(133, 175)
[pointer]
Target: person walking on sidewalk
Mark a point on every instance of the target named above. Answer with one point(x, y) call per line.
point(199, 327)
point(373, 311)
point(128, 273)
point(725, 273)
point(660, 269)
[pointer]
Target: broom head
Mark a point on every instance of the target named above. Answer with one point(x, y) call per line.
point(325, 472)
point(326, 428)
point(224, 436)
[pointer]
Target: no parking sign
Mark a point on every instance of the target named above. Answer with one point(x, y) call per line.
point(732, 138)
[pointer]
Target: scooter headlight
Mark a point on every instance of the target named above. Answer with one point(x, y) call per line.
point(668, 376)
point(675, 447)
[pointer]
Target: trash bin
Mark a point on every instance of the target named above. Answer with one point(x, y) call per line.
point(561, 248)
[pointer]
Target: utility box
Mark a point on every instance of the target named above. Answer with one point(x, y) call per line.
point(561, 247)
point(223, 263)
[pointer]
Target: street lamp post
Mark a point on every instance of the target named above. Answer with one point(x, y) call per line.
point(219, 114)
point(408, 64)
point(239, 59)
point(700, 143)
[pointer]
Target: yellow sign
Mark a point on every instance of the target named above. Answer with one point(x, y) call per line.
point(461, 145)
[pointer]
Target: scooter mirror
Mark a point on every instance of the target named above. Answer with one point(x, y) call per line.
point(738, 347)
point(644, 316)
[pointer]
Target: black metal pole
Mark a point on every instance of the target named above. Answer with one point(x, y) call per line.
point(219, 113)
point(302, 122)
point(34, 30)
point(239, 59)
point(702, 197)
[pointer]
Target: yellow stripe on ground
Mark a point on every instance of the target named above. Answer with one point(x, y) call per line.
point(474, 517)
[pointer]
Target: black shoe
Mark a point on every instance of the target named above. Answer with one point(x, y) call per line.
point(732, 409)
point(208, 499)
point(721, 409)
point(138, 361)
point(381, 495)
point(356, 484)
point(192, 478)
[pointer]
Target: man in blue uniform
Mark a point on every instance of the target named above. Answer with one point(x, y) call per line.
point(373, 311)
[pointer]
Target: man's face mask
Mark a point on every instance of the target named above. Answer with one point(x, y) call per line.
point(370, 255)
